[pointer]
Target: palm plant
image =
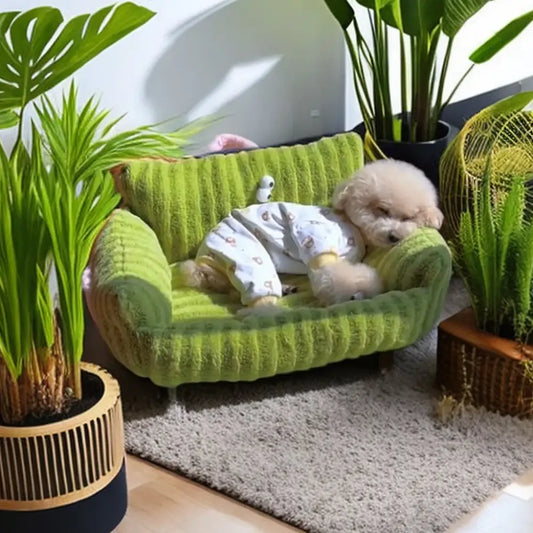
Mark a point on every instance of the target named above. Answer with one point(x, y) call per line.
point(494, 256)
point(418, 26)
point(55, 195)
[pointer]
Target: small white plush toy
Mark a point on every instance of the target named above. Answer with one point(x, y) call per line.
point(264, 191)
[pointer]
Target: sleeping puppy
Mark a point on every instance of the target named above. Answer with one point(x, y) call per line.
point(388, 200)
point(380, 205)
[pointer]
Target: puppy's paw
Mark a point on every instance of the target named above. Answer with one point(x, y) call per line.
point(343, 281)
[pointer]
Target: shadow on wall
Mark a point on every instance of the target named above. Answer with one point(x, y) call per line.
point(260, 66)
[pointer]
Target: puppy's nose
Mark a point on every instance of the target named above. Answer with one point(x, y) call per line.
point(393, 239)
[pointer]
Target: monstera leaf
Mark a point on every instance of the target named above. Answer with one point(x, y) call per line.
point(37, 51)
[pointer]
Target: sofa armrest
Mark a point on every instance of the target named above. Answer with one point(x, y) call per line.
point(421, 260)
point(129, 274)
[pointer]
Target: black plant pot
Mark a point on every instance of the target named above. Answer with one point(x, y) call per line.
point(100, 513)
point(424, 155)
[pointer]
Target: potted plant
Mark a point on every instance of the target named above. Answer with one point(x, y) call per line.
point(483, 355)
point(61, 439)
point(414, 132)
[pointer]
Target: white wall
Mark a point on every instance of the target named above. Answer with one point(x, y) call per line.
point(513, 63)
point(262, 65)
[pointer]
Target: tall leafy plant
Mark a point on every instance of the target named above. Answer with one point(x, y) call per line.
point(415, 28)
point(494, 257)
point(55, 194)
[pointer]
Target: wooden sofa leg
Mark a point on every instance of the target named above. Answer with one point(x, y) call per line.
point(385, 361)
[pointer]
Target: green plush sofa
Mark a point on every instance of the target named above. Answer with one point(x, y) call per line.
point(178, 335)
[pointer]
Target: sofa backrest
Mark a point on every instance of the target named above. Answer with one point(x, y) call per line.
point(181, 201)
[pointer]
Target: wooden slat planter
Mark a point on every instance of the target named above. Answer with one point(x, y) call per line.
point(482, 369)
point(49, 468)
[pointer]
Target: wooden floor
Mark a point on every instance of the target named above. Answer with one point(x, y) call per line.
point(509, 511)
point(163, 502)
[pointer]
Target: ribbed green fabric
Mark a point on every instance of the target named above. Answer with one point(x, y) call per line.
point(182, 201)
point(176, 336)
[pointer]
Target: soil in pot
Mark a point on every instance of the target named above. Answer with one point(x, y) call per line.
point(505, 331)
point(93, 390)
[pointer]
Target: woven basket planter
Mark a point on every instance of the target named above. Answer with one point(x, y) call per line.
point(61, 474)
point(483, 369)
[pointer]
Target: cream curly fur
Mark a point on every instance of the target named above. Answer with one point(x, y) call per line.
point(386, 200)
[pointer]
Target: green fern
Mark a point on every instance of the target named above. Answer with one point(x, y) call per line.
point(494, 256)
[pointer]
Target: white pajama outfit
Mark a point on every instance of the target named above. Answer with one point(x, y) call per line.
point(254, 244)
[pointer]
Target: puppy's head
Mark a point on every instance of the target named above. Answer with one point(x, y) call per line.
point(388, 200)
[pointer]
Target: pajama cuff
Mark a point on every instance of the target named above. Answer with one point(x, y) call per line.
point(321, 260)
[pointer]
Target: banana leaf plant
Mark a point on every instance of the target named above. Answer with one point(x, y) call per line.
point(55, 194)
point(418, 27)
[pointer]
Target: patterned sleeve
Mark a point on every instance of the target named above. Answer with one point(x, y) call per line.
point(314, 232)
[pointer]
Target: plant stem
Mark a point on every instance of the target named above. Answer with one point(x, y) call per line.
point(426, 50)
point(376, 77)
point(432, 70)
point(385, 80)
point(361, 90)
point(458, 85)
point(75, 379)
point(423, 88)
point(38, 390)
point(18, 139)
point(444, 71)
point(403, 82)
point(414, 83)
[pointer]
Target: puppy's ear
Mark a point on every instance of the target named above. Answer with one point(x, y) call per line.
point(431, 217)
point(341, 194)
